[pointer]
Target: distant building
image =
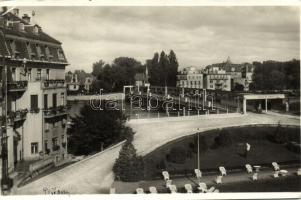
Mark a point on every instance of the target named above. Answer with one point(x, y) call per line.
point(190, 77)
point(240, 74)
point(88, 83)
point(34, 64)
point(141, 79)
point(72, 82)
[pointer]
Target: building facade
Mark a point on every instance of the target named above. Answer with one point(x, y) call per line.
point(34, 64)
point(190, 77)
point(240, 74)
point(216, 78)
point(73, 85)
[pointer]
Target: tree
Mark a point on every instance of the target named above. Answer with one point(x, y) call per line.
point(154, 71)
point(112, 78)
point(94, 129)
point(128, 167)
point(164, 68)
point(274, 75)
point(97, 67)
point(173, 69)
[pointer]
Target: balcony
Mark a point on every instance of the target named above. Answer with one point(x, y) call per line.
point(17, 86)
point(16, 116)
point(52, 84)
point(55, 148)
point(55, 112)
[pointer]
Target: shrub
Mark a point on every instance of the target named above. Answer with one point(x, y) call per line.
point(223, 139)
point(177, 155)
point(128, 167)
point(279, 135)
point(203, 144)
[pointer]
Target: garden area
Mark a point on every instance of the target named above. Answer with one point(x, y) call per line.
point(225, 147)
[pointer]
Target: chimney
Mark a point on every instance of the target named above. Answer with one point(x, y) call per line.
point(26, 18)
point(15, 11)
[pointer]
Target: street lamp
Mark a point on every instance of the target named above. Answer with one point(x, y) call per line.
point(198, 148)
point(6, 182)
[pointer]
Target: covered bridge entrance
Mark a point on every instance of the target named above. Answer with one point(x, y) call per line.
point(265, 97)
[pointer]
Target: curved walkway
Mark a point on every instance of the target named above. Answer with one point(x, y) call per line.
point(94, 175)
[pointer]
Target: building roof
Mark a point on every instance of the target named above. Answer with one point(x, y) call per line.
point(28, 33)
point(25, 43)
point(229, 67)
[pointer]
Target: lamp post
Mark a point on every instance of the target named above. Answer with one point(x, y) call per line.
point(198, 148)
point(6, 182)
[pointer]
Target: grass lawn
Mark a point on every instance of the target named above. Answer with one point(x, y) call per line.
point(228, 153)
point(287, 184)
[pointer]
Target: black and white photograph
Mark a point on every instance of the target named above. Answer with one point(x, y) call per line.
point(150, 100)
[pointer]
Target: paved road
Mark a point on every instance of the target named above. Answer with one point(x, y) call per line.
point(94, 175)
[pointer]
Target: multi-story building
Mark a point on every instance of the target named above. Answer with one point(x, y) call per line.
point(88, 83)
point(73, 85)
point(190, 77)
point(216, 79)
point(34, 64)
point(240, 74)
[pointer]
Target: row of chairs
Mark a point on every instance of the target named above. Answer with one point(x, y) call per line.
point(223, 172)
point(173, 189)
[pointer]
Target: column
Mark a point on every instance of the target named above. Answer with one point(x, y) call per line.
point(244, 106)
point(266, 105)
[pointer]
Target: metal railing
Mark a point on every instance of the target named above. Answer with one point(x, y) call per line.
point(55, 111)
point(53, 83)
point(15, 86)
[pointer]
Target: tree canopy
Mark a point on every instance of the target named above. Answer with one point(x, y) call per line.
point(129, 166)
point(93, 129)
point(274, 75)
point(112, 77)
point(163, 69)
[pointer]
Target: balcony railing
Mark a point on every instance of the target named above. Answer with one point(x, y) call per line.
point(50, 84)
point(17, 86)
point(54, 112)
point(15, 116)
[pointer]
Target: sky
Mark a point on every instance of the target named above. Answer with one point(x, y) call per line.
point(198, 35)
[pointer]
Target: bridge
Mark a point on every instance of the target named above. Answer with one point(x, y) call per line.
point(111, 96)
point(94, 175)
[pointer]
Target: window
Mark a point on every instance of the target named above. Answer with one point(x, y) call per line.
point(38, 50)
point(45, 101)
point(60, 54)
point(39, 74)
point(29, 74)
point(54, 143)
point(62, 98)
point(34, 148)
point(54, 100)
point(47, 74)
point(33, 102)
point(13, 71)
point(13, 46)
point(74, 86)
point(45, 145)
